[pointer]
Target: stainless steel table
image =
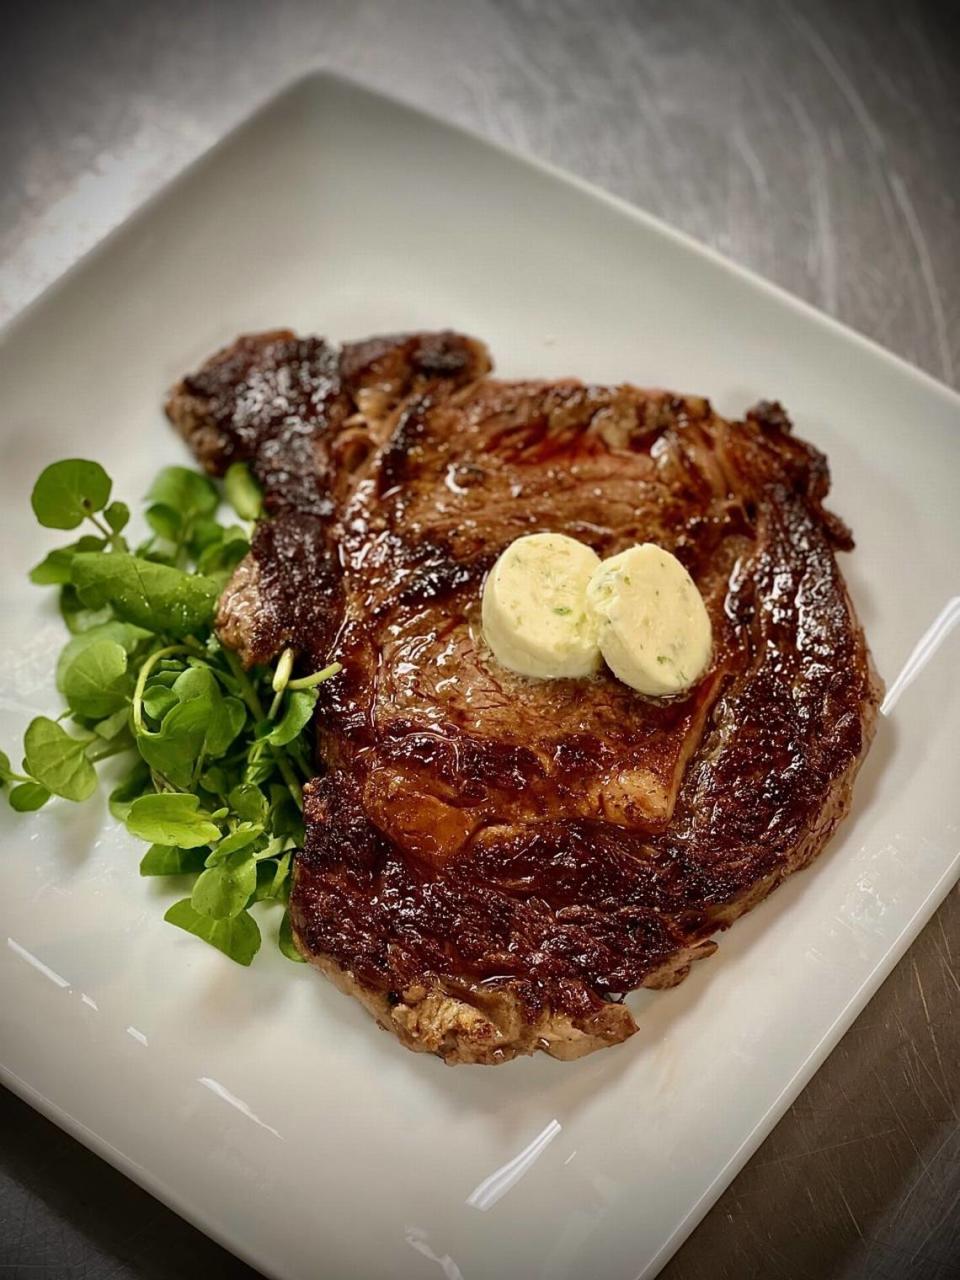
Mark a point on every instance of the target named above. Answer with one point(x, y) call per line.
point(819, 143)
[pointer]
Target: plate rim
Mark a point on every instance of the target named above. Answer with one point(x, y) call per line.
point(320, 76)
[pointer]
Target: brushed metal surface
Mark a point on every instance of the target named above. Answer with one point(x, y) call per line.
point(817, 143)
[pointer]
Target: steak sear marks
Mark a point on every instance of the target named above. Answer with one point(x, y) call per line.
point(492, 862)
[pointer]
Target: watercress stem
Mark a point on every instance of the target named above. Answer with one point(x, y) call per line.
point(252, 699)
point(247, 691)
point(144, 674)
point(296, 753)
point(116, 541)
point(318, 677)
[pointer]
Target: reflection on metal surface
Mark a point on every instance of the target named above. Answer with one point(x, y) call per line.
point(926, 647)
point(418, 1239)
point(137, 1035)
point(486, 1195)
point(90, 1001)
point(40, 967)
point(215, 1087)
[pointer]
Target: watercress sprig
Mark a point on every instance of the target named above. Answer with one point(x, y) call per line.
point(214, 754)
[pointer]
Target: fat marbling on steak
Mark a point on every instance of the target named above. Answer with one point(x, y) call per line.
point(492, 862)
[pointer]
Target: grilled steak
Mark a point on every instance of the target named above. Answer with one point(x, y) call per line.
point(491, 862)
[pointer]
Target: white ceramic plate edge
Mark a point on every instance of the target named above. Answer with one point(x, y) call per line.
point(143, 1178)
point(648, 220)
point(805, 1073)
point(169, 1195)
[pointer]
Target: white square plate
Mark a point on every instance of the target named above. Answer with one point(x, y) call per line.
point(260, 1103)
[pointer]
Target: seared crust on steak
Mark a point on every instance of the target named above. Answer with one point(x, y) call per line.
point(491, 862)
point(304, 415)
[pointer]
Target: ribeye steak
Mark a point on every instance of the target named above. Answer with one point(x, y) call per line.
point(492, 862)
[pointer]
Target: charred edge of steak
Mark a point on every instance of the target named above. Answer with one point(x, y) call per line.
point(287, 591)
point(476, 1026)
point(810, 471)
point(300, 411)
point(399, 361)
point(491, 1023)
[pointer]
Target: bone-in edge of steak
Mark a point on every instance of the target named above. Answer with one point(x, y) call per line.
point(491, 862)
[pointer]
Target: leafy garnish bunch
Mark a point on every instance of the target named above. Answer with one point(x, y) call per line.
point(215, 754)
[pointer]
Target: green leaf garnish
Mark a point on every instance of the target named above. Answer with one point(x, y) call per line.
point(197, 724)
point(242, 491)
point(249, 802)
point(158, 700)
point(224, 889)
point(122, 633)
point(185, 491)
point(28, 796)
point(112, 726)
point(56, 567)
point(222, 556)
point(175, 749)
point(7, 772)
point(214, 755)
point(117, 516)
point(155, 596)
point(77, 617)
point(58, 761)
point(238, 841)
point(160, 860)
point(69, 491)
point(296, 717)
point(171, 817)
point(237, 937)
point(166, 522)
point(285, 940)
point(95, 682)
point(273, 880)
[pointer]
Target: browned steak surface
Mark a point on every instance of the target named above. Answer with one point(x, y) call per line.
point(303, 414)
point(491, 861)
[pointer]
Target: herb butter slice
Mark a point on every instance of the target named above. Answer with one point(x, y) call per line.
point(534, 614)
point(653, 627)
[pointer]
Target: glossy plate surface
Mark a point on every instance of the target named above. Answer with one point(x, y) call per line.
point(260, 1103)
